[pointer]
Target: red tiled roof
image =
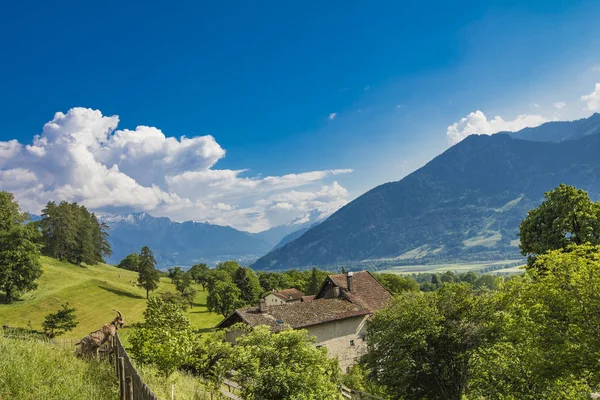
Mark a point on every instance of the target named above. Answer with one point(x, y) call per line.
point(289, 294)
point(296, 315)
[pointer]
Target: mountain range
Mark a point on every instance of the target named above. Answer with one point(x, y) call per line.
point(464, 205)
point(190, 242)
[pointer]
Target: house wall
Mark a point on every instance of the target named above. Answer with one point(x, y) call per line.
point(233, 334)
point(272, 300)
point(336, 337)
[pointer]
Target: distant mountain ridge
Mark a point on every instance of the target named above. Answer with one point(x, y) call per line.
point(465, 204)
point(180, 243)
point(190, 242)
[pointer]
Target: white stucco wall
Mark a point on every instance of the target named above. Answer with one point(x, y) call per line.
point(336, 337)
point(272, 300)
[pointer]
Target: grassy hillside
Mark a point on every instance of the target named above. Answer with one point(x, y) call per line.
point(94, 291)
point(32, 369)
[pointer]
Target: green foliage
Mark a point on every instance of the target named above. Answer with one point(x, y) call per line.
point(567, 216)
point(175, 298)
point(64, 320)
point(549, 347)
point(166, 340)
point(189, 294)
point(19, 251)
point(212, 357)
point(148, 276)
point(71, 233)
point(397, 283)
point(359, 378)
point(273, 281)
point(176, 274)
point(230, 267)
point(247, 281)
point(130, 263)
point(314, 284)
point(199, 274)
point(422, 346)
point(285, 365)
point(34, 370)
point(224, 297)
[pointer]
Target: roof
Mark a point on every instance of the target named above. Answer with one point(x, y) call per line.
point(308, 298)
point(366, 290)
point(289, 294)
point(297, 315)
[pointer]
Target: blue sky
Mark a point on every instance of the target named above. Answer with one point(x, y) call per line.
point(284, 88)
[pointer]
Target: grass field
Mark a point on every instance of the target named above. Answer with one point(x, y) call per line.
point(35, 370)
point(410, 269)
point(94, 291)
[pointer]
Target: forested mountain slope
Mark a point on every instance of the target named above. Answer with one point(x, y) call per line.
point(465, 204)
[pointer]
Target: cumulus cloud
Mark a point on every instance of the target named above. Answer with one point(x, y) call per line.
point(477, 123)
point(82, 156)
point(559, 105)
point(593, 99)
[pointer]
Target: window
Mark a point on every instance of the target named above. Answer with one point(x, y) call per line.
point(352, 343)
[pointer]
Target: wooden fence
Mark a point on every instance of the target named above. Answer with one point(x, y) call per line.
point(131, 385)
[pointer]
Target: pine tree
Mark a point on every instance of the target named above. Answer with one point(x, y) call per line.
point(247, 281)
point(314, 284)
point(148, 276)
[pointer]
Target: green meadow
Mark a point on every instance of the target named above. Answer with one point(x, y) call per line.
point(94, 291)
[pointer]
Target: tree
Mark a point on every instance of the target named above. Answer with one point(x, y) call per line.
point(566, 216)
point(189, 294)
point(71, 233)
point(397, 283)
point(166, 339)
point(273, 281)
point(62, 321)
point(314, 283)
point(199, 274)
point(423, 344)
point(130, 263)
point(229, 266)
point(148, 276)
point(247, 281)
point(224, 298)
point(284, 365)
point(19, 250)
point(549, 345)
point(176, 274)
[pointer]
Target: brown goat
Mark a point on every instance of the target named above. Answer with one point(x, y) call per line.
point(92, 342)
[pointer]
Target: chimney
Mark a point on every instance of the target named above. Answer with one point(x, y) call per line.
point(349, 281)
point(262, 305)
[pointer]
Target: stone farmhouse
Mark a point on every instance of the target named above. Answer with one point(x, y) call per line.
point(336, 316)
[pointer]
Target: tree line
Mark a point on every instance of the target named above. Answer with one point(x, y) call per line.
point(71, 233)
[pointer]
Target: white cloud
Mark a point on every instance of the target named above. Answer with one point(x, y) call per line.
point(477, 123)
point(536, 105)
point(82, 156)
point(593, 99)
point(332, 116)
point(559, 105)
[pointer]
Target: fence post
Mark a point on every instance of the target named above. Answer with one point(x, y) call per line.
point(122, 377)
point(116, 348)
point(129, 380)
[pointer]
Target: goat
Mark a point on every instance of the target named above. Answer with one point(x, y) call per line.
point(92, 342)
